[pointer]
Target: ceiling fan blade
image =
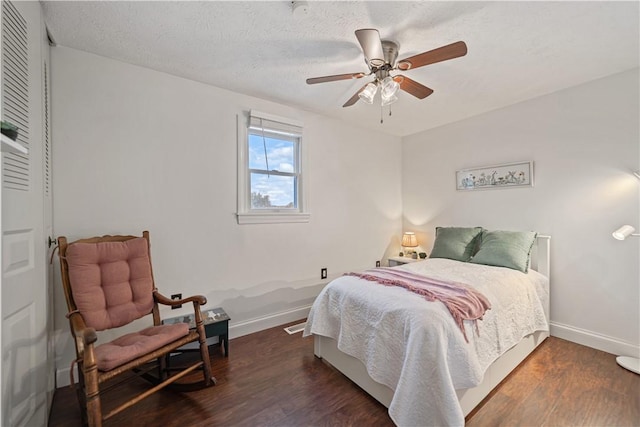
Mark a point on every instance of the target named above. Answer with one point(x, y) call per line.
point(413, 87)
point(369, 39)
point(453, 50)
point(354, 98)
point(324, 79)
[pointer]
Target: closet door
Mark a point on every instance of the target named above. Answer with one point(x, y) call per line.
point(24, 306)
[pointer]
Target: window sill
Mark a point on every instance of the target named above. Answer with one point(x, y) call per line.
point(11, 146)
point(273, 218)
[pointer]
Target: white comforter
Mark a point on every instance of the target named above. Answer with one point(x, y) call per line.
point(415, 348)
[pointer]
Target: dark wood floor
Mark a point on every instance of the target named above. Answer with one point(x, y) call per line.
point(272, 379)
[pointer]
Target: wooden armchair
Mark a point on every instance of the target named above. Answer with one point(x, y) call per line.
point(108, 283)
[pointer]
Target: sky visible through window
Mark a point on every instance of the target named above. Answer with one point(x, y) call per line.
point(281, 155)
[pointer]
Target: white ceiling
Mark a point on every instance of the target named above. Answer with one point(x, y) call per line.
point(516, 50)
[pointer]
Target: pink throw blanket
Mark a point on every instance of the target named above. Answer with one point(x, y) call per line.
point(462, 301)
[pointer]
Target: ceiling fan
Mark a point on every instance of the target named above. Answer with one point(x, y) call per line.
point(380, 56)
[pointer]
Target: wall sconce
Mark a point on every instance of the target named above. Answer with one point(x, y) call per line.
point(409, 240)
point(630, 363)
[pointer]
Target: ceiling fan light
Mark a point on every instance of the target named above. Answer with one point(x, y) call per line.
point(368, 93)
point(389, 87)
point(388, 100)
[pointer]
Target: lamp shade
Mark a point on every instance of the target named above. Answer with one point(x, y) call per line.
point(623, 232)
point(409, 240)
point(389, 87)
point(368, 93)
point(388, 100)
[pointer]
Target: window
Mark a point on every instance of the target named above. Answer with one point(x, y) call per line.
point(270, 184)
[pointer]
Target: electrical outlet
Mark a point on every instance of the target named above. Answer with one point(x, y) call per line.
point(377, 263)
point(175, 297)
point(323, 273)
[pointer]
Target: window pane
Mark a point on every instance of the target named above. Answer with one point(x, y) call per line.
point(273, 192)
point(281, 154)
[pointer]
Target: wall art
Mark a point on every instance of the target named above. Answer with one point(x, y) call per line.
point(508, 175)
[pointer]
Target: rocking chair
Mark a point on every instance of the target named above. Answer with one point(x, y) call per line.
point(108, 283)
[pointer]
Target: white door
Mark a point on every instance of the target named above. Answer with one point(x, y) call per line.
point(47, 193)
point(25, 364)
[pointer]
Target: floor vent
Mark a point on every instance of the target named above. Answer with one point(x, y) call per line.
point(295, 328)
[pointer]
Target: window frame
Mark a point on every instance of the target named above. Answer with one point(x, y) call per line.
point(245, 213)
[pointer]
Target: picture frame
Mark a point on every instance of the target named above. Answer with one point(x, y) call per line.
point(508, 175)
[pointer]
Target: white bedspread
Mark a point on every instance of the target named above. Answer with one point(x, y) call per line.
point(415, 348)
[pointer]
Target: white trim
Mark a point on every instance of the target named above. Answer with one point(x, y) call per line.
point(244, 214)
point(594, 340)
point(62, 376)
point(275, 118)
point(243, 171)
point(272, 218)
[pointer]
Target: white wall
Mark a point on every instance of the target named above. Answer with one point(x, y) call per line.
point(136, 149)
point(585, 143)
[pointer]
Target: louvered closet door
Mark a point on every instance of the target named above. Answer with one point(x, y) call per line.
point(25, 365)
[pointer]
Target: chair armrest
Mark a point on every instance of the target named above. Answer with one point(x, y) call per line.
point(196, 299)
point(84, 335)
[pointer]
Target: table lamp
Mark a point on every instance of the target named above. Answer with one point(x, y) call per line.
point(409, 240)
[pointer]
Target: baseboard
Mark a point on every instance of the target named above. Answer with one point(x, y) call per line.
point(270, 321)
point(594, 340)
point(62, 376)
point(235, 330)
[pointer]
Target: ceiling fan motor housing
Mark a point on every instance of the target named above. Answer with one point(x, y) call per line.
point(390, 50)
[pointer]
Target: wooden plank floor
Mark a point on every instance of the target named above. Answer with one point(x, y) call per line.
point(272, 379)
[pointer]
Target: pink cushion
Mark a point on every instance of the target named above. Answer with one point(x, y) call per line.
point(111, 282)
point(130, 346)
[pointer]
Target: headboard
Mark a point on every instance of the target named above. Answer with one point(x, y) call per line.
point(541, 255)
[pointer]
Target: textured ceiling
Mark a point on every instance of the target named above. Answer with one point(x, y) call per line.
point(516, 50)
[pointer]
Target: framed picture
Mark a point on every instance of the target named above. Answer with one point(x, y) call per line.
point(491, 177)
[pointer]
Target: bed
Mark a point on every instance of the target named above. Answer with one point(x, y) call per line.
point(410, 355)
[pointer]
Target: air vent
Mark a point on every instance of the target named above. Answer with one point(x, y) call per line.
point(295, 328)
point(15, 94)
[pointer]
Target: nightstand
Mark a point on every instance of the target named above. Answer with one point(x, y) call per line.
point(216, 324)
point(395, 261)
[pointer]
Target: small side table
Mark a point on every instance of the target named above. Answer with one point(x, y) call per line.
point(395, 261)
point(216, 324)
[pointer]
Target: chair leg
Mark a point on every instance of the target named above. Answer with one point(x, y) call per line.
point(163, 364)
point(204, 354)
point(80, 394)
point(92, 394)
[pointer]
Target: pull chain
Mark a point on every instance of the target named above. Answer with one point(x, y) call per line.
point(381, 113)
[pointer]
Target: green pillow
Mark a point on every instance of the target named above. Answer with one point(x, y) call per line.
point(456, 243)
point(510, 249)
